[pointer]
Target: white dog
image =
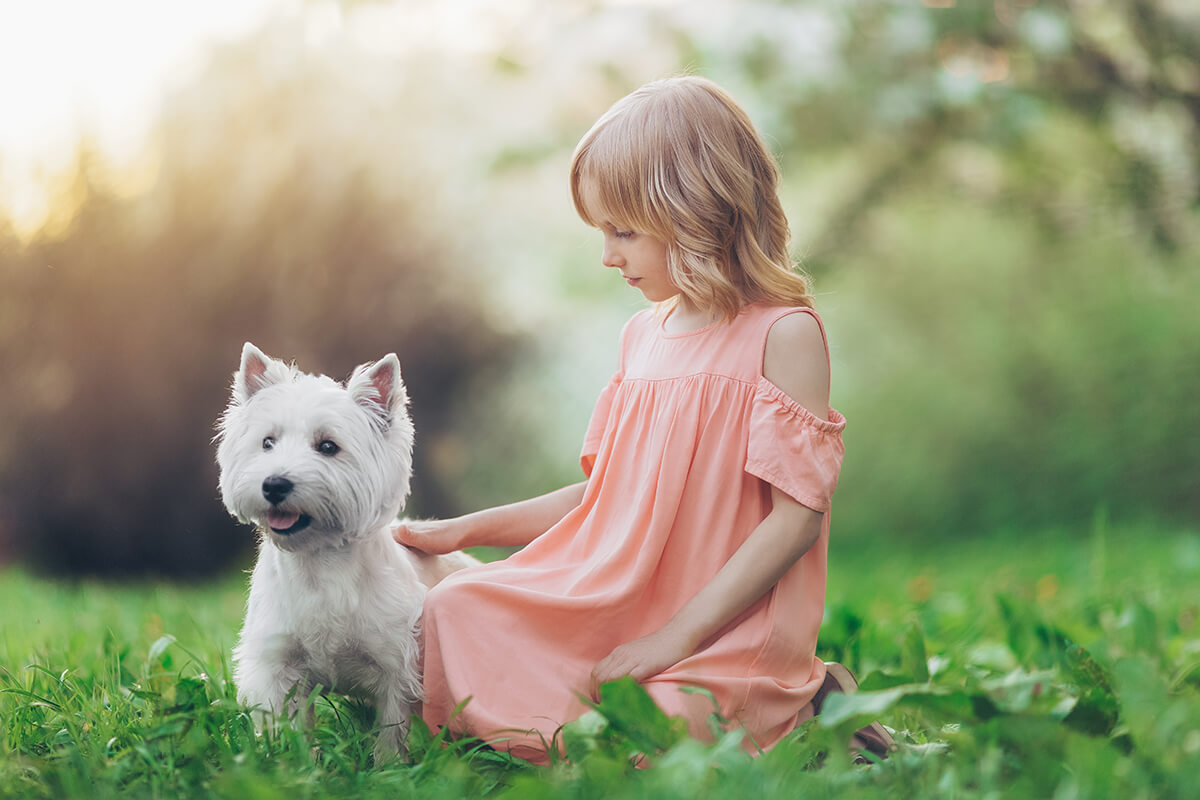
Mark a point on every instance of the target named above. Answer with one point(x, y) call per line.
point(322, 470)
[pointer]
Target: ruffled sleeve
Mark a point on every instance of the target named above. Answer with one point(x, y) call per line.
point(792, 449)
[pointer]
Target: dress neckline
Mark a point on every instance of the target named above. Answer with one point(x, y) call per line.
point(660, 324)
point(664, 333)
point(661, 327)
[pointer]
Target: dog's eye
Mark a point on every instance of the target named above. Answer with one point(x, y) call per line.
point(328, 448)
point(268, 442)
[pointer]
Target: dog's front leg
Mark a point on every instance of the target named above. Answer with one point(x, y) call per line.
point(394, 706)
point(266, 675)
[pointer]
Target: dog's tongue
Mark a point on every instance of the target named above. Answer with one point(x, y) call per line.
point(282, 520)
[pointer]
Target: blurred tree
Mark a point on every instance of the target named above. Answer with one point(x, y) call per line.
point(997, 79)
point(123, 318)
point(1001, 202)
point(1020, 216)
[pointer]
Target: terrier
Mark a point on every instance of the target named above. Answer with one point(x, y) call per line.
point(322, 469)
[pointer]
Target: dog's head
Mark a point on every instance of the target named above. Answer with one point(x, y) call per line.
point(312, 462)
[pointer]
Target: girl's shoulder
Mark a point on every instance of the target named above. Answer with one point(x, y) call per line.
point(792, 329)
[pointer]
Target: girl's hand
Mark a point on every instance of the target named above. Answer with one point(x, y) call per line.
point(640, 659)
point(433, 536)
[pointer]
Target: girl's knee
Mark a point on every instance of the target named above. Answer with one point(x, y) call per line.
point(445, 595)
point(435, 600)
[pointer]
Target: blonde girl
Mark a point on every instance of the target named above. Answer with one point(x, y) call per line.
point(693, 554)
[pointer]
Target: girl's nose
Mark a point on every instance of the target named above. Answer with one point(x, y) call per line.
point(609, 257)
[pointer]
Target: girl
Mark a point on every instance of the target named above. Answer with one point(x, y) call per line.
point(694, 553)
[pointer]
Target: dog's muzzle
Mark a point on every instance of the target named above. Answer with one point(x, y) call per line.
point(276, 489)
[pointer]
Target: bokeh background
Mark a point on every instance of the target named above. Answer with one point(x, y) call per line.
point(999, 201)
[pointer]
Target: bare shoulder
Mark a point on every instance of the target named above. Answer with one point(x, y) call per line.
point(795, 361)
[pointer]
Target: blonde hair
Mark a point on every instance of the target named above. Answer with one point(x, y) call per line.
point(680, 160)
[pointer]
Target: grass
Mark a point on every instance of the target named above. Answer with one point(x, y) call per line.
point(1037, 666)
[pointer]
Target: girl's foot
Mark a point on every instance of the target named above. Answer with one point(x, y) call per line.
point(874, 738)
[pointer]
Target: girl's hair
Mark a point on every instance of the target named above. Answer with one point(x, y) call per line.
point(680, 160)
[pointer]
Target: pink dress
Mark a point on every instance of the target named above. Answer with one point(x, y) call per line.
point(679, 452)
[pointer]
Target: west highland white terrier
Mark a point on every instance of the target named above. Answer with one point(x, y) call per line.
point(322, 469)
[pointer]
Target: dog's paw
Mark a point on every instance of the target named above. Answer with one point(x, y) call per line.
point(391, 745)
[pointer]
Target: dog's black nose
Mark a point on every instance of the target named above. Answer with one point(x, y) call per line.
point(276, 489)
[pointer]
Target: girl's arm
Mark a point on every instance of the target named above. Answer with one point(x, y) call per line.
point(796, 362)
point(515, 524)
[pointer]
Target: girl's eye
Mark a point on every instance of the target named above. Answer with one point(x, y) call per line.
point(328, 448)
point(268, 442)
point(623, 234)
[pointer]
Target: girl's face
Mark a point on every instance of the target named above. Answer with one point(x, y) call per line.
point(641, 258)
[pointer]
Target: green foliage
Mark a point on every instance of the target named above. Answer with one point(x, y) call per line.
point(994, 379)
point(1072, 672)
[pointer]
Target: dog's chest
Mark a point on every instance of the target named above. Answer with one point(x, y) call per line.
point(345, 624)
point(346, 668)
point(342, 651)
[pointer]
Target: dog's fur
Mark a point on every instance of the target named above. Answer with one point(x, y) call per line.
point(322, 469)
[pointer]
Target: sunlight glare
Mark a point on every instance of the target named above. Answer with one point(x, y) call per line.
point(74, 67)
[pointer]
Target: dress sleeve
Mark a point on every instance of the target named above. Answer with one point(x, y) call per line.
point(595, 428)
point(603, 409)
point(792, 449)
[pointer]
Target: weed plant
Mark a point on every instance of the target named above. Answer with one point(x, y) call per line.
point(1060, 667)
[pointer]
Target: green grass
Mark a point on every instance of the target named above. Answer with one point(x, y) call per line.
point(1036, 666)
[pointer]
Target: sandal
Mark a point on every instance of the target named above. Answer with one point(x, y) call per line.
point(874, 738)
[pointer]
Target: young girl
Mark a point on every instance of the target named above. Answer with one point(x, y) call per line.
point(694, 553)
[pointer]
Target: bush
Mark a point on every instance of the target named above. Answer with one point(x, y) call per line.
point(994, 377)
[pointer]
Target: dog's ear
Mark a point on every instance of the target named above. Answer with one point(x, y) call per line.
point(378, 388)
point(258, 370)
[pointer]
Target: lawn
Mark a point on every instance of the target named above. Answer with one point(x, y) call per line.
point(1053, 665)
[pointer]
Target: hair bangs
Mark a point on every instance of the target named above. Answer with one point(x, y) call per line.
point(613, 168)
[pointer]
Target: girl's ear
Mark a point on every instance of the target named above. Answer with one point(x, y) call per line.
point(379, 389)
point(257, 371)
